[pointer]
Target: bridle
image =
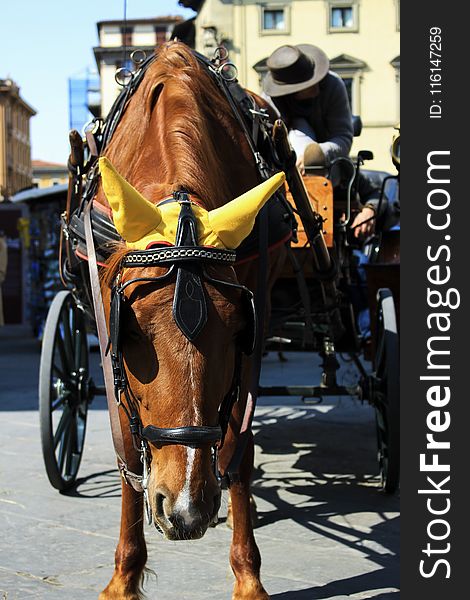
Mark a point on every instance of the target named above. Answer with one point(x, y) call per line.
point(186, 262)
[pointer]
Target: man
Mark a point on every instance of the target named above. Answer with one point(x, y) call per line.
point(312, 101)
point(314, 104)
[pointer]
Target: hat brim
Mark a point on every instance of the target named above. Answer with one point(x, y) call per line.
point(322, 66)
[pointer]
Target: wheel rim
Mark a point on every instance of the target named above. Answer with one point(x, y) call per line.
point(64, 391)
point(387, 393)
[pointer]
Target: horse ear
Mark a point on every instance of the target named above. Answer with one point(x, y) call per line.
point(133, 215)
point(233, 222)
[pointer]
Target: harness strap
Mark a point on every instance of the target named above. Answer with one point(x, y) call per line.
point(187, 436)
point(113, 408)
point(232, 471)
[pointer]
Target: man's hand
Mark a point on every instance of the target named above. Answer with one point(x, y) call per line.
point(364, 223)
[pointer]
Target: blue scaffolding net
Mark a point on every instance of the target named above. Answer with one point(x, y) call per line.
point(84, 99)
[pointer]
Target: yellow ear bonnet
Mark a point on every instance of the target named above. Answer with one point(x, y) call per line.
point(133, 215)
point(139, 222)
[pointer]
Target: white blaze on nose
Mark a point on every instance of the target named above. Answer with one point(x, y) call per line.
point(183, 502)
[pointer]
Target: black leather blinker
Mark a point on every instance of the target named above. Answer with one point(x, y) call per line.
point(189, 303)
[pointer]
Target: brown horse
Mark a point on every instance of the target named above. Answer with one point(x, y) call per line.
point(177, 132)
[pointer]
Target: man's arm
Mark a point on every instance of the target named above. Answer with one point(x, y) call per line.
point(338, 119)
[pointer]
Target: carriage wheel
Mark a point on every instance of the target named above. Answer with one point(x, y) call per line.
point(386, 395)
point(63, 390)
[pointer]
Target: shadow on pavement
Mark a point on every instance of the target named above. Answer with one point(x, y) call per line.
point(316, 469)
point(343, 587)
point(106, 484)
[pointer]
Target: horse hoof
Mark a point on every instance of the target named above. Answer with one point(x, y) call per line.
point(253, 513)
point(105, 596)
point(251, 591)
point(118, 592)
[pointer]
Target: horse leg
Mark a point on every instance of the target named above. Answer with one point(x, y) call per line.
point(245, 558)
point(131, 551)
point(253, 513)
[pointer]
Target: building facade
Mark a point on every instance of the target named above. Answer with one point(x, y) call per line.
point(117, 41)
point(361, 38)
point(15, 140)
point(47, 174)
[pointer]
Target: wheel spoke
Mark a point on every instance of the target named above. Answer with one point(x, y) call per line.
point(78, 349)
point(63, 425)
point(68, 346)
point(59, 401)
point(71, 448)
point(62, 352)
point(81, 422)
point(58, 372)
point(64, 449)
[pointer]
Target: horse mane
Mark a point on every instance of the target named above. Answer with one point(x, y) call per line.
point(178, 132)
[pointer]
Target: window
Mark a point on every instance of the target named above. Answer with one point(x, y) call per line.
point(348, 82)
point(342, 16)
point(126, 33)
point(160, 35)
point(274, 19)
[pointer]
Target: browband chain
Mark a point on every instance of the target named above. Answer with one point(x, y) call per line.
point(158, 256)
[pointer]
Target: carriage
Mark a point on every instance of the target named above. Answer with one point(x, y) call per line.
point(315, 315)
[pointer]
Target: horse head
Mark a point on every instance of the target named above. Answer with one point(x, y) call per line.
point(178, 375)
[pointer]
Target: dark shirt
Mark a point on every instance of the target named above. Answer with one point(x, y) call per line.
point(328, 114)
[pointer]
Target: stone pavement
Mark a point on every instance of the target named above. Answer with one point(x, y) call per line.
point(325, 530)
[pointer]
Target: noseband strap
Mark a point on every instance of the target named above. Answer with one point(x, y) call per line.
point(186, 436)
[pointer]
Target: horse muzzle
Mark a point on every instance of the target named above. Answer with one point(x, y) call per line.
point(185, 519)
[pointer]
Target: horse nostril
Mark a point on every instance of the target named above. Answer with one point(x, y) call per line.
point(159, 500)
point(176, 520)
